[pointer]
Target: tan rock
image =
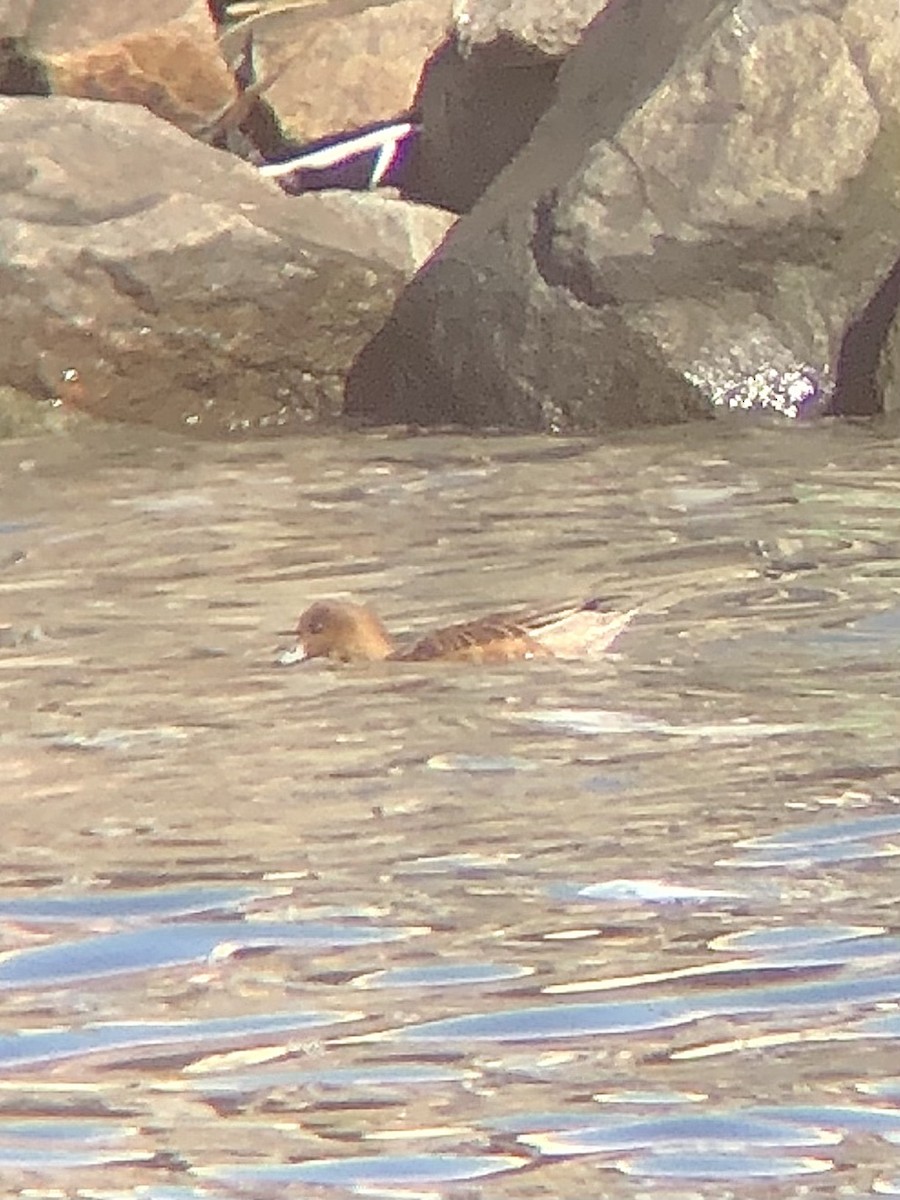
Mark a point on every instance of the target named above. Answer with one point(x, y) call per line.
point(403, 234)
point(163, 56)
point(335, 70)
point(531, 26)
point(14, 17)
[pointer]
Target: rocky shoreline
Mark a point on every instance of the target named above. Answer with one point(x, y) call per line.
point(614, 214)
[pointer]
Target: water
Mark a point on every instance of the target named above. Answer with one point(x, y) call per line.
point(551, 929)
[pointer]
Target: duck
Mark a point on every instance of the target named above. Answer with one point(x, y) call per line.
point(346, 632)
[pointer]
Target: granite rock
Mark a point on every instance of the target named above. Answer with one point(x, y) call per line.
point(700, 220)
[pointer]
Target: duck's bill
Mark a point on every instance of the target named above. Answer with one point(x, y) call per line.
point(294, 654)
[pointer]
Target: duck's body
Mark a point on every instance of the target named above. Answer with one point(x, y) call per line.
point(347, 632)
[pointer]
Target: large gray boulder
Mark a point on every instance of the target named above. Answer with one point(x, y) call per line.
point(146, 277)
point(698, 220)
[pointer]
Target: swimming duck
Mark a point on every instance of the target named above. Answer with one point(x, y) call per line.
point(346, 632)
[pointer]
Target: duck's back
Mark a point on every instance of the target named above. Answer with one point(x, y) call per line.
point(493, 639)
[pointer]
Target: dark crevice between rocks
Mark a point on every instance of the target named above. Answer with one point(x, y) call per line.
point(247, 127)
point(857, 391)
point(218, 10)
point(506, 88)
point(20, 74)
point(575, 276)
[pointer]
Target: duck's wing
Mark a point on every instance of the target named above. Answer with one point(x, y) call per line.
point(497, 638)
point(575, 631)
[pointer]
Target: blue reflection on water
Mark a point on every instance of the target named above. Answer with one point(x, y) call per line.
point(172, 945)
point(162, 902)
point(53, 1045)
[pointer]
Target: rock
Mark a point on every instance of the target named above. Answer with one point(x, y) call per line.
point(21, 417)
point(485, 90)
point(862, 390)
point(14, 18)
point(164, 57)
point(404, 233)
point(335, 68)
point(697, 220)
point(534, 26)
point(147, 277)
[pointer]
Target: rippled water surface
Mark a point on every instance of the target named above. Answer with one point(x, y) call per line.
point(556, 929)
